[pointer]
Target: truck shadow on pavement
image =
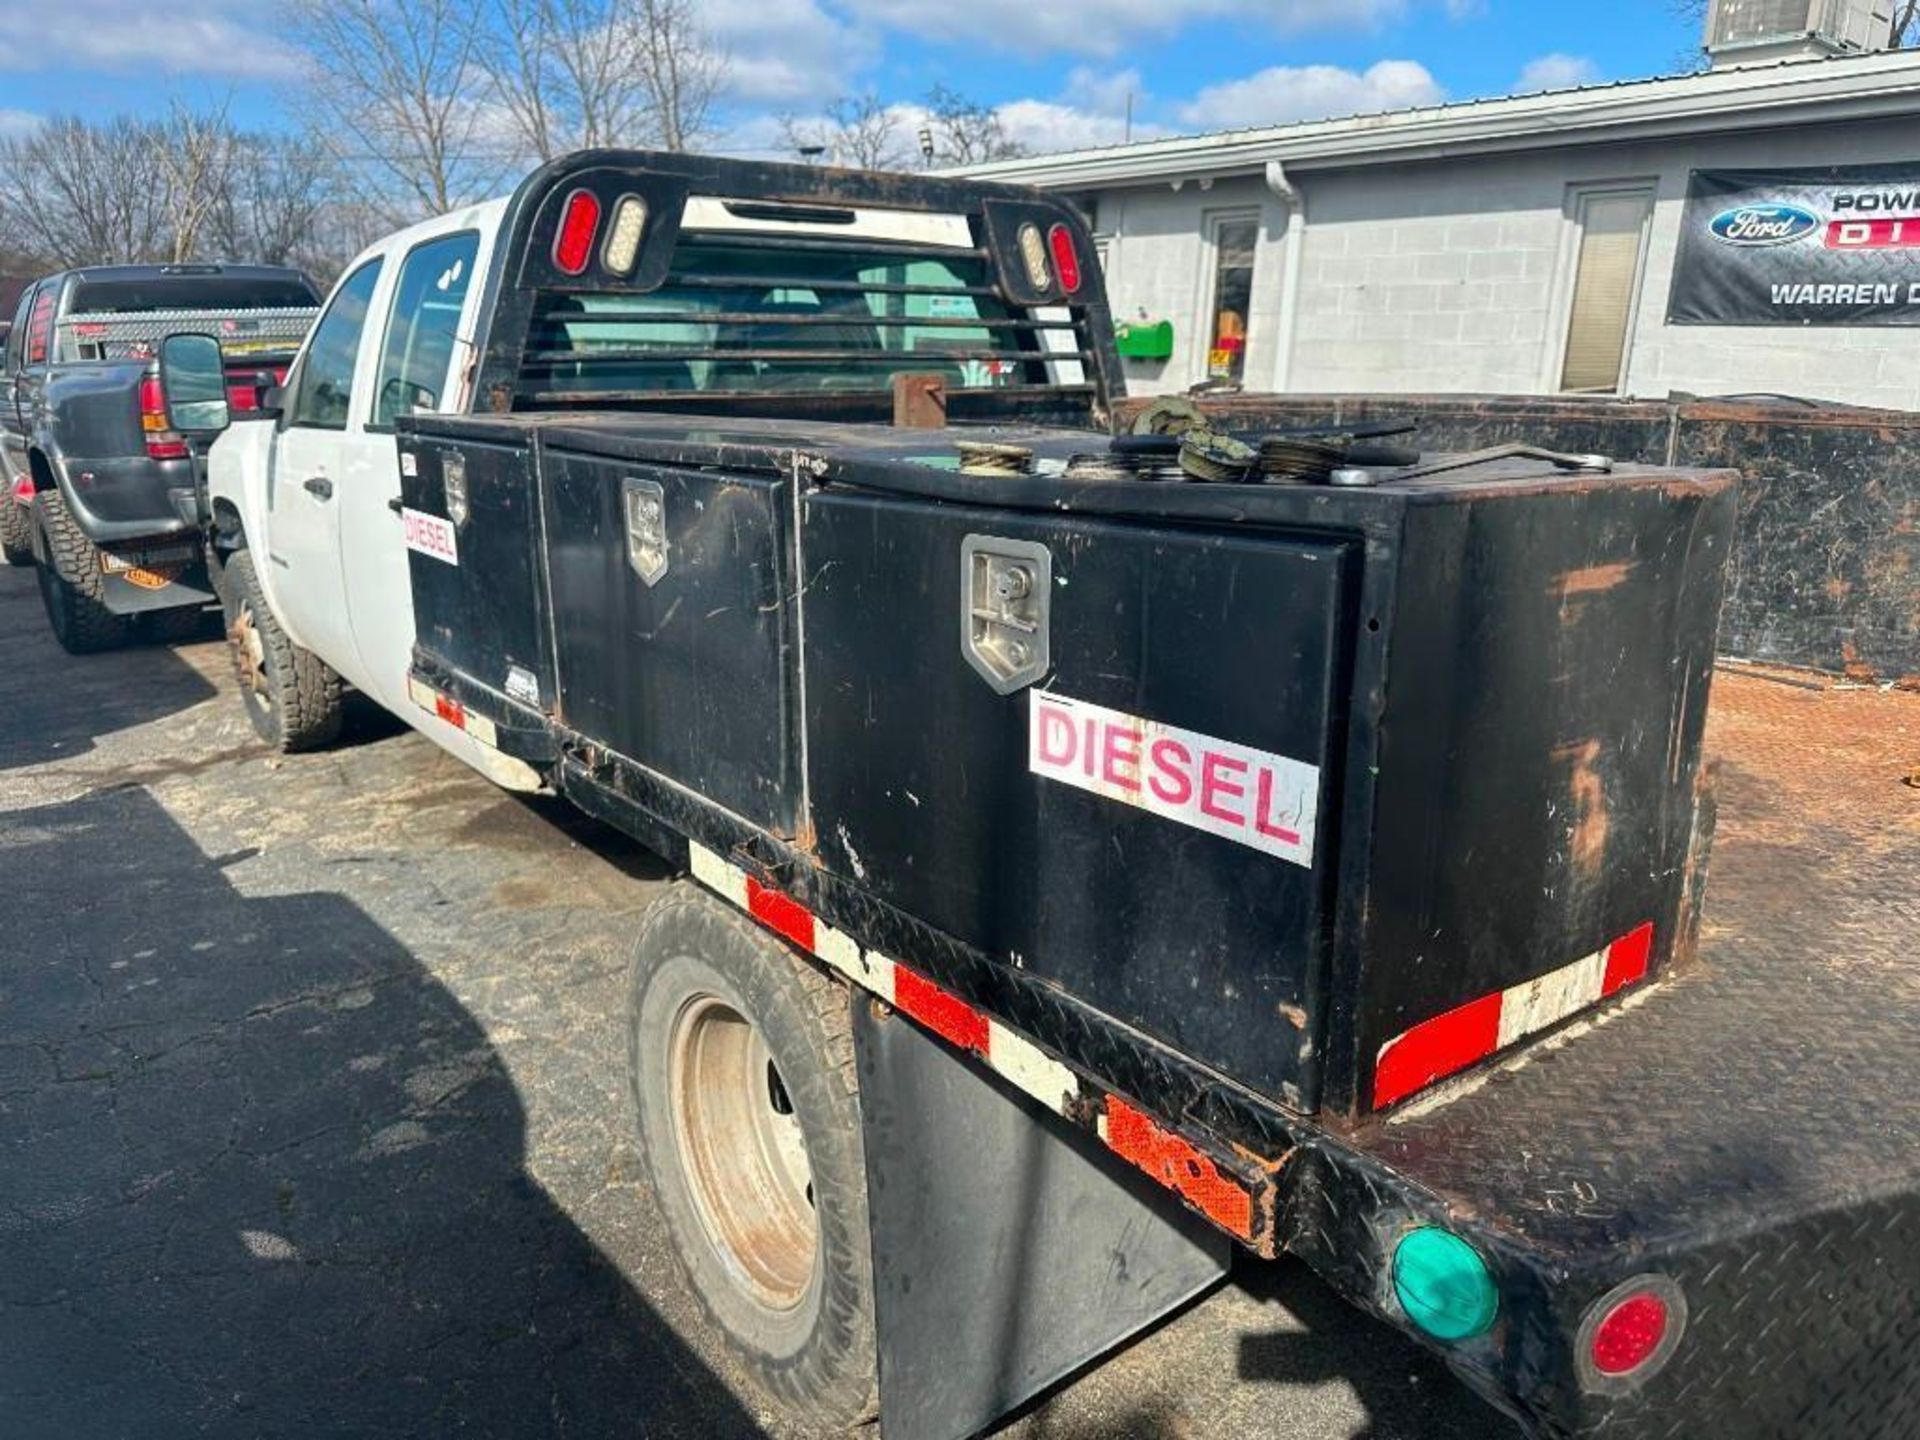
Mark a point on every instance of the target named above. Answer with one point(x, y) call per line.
point(61, 704)
point(265, 1175)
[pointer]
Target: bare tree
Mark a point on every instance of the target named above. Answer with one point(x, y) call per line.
point(569, 73)
point(77, 193)
point(391, 85)
point(682, 70)
point(196, 162)
point(857, 131)
point(279, 191)
point(966, 132)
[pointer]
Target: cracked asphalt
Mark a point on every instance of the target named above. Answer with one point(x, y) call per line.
point(313, 1116)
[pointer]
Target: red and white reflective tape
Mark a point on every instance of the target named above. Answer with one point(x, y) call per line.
point(453, 712)
point(1449, 1043)
point(1129, 1133)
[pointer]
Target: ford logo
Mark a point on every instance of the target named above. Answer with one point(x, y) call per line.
point(1763, 224)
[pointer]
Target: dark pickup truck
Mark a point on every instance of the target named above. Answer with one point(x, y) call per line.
point(100, 495)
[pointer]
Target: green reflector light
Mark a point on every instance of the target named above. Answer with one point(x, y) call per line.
point(1443, 1285)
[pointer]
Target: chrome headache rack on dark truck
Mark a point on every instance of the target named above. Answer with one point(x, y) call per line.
point(1181, 848)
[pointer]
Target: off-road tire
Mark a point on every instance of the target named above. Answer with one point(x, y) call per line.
point(72, 586)
point(16, 531)
point(290, 694)
point(816, 1359)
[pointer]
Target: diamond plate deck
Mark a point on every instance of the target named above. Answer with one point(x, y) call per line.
point(1751, 1127)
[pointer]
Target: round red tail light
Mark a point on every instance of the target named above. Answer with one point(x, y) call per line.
point(579, 222)
point(1066, 260)
point(1630, 1332)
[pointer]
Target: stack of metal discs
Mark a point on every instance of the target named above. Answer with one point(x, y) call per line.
point(979, 457)
point(1219, 459)
point(1302, 459)
point(1126, 465)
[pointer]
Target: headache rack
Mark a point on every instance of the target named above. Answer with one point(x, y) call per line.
point(136, 334)
point(723, 309)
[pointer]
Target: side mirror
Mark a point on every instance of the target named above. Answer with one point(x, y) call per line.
point(193, 384)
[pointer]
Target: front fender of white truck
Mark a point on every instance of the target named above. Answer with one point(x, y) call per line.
point(239, 480)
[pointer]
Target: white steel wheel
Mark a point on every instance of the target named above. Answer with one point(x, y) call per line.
point(741, 1061)
point(743, 1150)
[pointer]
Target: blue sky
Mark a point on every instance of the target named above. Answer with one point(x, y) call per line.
point(1060, 68)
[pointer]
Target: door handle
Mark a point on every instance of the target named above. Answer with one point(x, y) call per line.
point(396, 504)
point(319, 487)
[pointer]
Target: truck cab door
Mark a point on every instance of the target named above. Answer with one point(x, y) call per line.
point(306, 473)
point(413, 350)
point(13, 448)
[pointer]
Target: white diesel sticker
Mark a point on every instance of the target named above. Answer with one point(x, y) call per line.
point(1249, 796)
point(430, 535)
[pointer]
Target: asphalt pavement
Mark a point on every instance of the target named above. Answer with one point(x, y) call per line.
point(313, 1117)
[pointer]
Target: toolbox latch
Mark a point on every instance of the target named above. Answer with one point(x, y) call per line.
point(646, 507)
point(1006, 593)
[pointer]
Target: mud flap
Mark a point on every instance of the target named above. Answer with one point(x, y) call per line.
point(1007, 1250)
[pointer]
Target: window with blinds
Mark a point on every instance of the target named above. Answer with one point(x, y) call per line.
point(1612, 230)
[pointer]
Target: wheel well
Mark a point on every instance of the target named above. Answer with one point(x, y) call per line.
point(41, 470)
point(229, 533)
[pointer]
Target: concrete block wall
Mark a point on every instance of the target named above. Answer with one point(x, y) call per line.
point(1456, 276)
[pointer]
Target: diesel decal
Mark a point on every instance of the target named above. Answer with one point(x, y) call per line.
point(1249, 796)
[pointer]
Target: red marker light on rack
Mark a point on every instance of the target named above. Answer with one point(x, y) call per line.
point(579, 223)
point(1066, 260)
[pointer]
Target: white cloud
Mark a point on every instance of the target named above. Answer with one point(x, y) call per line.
point(1311, 92)
point(1106, 27)
point(1556, 72)
point(1104, 92)
point(790, 54)
point(1045, 126)
point(144, 36)
point(17, 122)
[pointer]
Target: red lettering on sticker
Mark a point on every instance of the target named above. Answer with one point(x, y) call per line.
point(1627, 959)
point(780, 914)
point(1057, 738)
point(1263, 812)
point(1437, 1048)
point(1180, 1167)
point(1090, 752)
point(1113, 756)
point(948, 1016)
point(1178, 771)
point(1211, 785)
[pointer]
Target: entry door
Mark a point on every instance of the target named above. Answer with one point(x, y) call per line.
point(308, 475)
point(413, 371)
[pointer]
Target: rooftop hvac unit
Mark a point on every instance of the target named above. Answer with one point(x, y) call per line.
point(1744, 32)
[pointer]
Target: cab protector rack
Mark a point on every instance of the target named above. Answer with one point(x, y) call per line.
point(1018, 341)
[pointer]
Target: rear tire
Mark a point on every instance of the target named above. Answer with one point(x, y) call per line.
point(72, 586)
point(16, 532)
point(741, 1063)
point(290, 695)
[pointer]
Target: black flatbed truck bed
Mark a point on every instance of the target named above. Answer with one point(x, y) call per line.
point(1738, 1127)
point(1664, 1146)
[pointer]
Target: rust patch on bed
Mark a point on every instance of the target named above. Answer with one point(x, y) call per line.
point(1587, 841)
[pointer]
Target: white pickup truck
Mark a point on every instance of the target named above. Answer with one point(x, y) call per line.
point(311, 563)
point(1087, 835)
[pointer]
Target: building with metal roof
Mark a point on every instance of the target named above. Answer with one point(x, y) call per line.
point(1751, 228)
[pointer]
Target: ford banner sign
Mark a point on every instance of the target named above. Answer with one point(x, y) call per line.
point(1833, 246)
